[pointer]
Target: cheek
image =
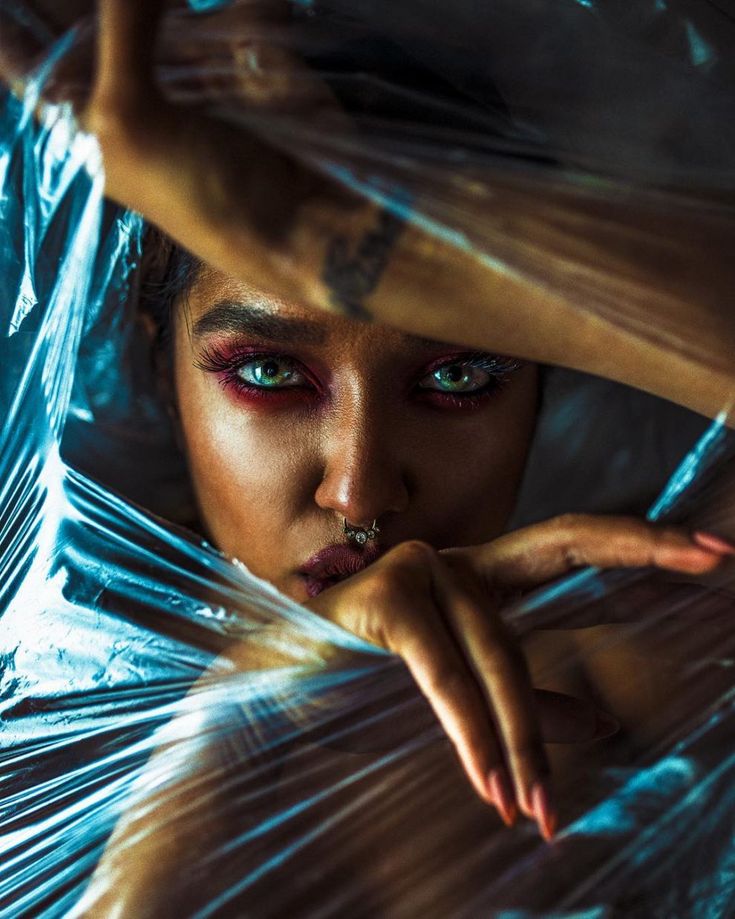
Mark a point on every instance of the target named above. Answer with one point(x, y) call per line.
point(475, 469)
point(248, 469)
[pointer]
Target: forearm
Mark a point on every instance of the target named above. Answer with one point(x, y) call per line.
point(633, 288)
point(644, 310)
point(598, 286)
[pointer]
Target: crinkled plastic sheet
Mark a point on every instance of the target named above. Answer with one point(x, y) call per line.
point(297, 788)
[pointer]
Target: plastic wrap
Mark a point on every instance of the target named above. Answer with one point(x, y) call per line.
point(149, 769)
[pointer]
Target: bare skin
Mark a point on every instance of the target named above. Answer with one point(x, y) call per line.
point(293, 422)
point(671, 267)
point(434, 597)
point(420, 604)
point(642, 304)
point(358, 422)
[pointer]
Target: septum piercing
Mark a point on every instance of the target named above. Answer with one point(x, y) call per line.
point(360, 535)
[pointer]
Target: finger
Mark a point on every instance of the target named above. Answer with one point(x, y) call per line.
point(500, 668)
point(449, 686)
point(535, 554)
point(433, 659)
point(252, 64)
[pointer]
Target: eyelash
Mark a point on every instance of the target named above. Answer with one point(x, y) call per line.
point(226, 365)
point(499, 368)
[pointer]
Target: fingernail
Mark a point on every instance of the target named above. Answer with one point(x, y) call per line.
point(501, 792)
point(543, 809)
point(713, 543)
point(605, 725)
point(525, 802)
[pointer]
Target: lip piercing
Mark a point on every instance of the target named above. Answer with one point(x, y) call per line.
point(360, 535)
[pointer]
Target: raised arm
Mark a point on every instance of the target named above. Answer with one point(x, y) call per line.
point(632, 286)
point(635, 289)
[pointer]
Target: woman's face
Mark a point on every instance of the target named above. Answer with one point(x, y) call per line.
point(294, 422)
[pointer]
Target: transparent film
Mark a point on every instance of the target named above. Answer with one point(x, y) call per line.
point(527, 211)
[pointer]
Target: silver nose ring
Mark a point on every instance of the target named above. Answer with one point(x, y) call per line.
point(361, 535)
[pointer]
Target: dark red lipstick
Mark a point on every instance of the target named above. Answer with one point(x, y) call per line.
point(334, 564)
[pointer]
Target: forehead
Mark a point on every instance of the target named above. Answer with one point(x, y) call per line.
point(218, 305)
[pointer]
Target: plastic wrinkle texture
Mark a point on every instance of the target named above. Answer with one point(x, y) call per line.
point(303, 775)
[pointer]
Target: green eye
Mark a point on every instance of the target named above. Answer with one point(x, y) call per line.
point(270, 373)
point(457, 378)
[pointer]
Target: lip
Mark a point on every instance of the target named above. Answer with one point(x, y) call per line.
point(335, 563)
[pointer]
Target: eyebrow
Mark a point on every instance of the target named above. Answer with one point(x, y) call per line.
point(233, 316)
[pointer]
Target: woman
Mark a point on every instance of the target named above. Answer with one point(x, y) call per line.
point(303, 433)
point(320, 445)
point(398, 457)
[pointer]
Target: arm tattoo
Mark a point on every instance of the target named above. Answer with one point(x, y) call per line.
point(353, 275)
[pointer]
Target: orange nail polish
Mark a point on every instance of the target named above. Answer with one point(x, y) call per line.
point(543, 809)
point(501, 792)
point(713, 543)
point(525, 803)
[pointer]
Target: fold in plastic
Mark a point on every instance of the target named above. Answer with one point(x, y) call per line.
point(179, 739)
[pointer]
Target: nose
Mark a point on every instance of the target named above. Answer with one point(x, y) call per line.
point(363, 476)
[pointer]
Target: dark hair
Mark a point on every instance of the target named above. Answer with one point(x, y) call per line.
point(167, 273)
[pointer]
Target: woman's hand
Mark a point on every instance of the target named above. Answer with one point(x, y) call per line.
point(440, 611)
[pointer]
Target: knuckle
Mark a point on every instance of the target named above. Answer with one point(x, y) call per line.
point(662, 536)
point(529, 748)
point(636, 528)
point(571, 524)
point(389, 612)
point(412, 553)
point(394, 586)
point(507, 666)
point(572, 556)
point(384, 594)
point(566, 531)
point(446, 679)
